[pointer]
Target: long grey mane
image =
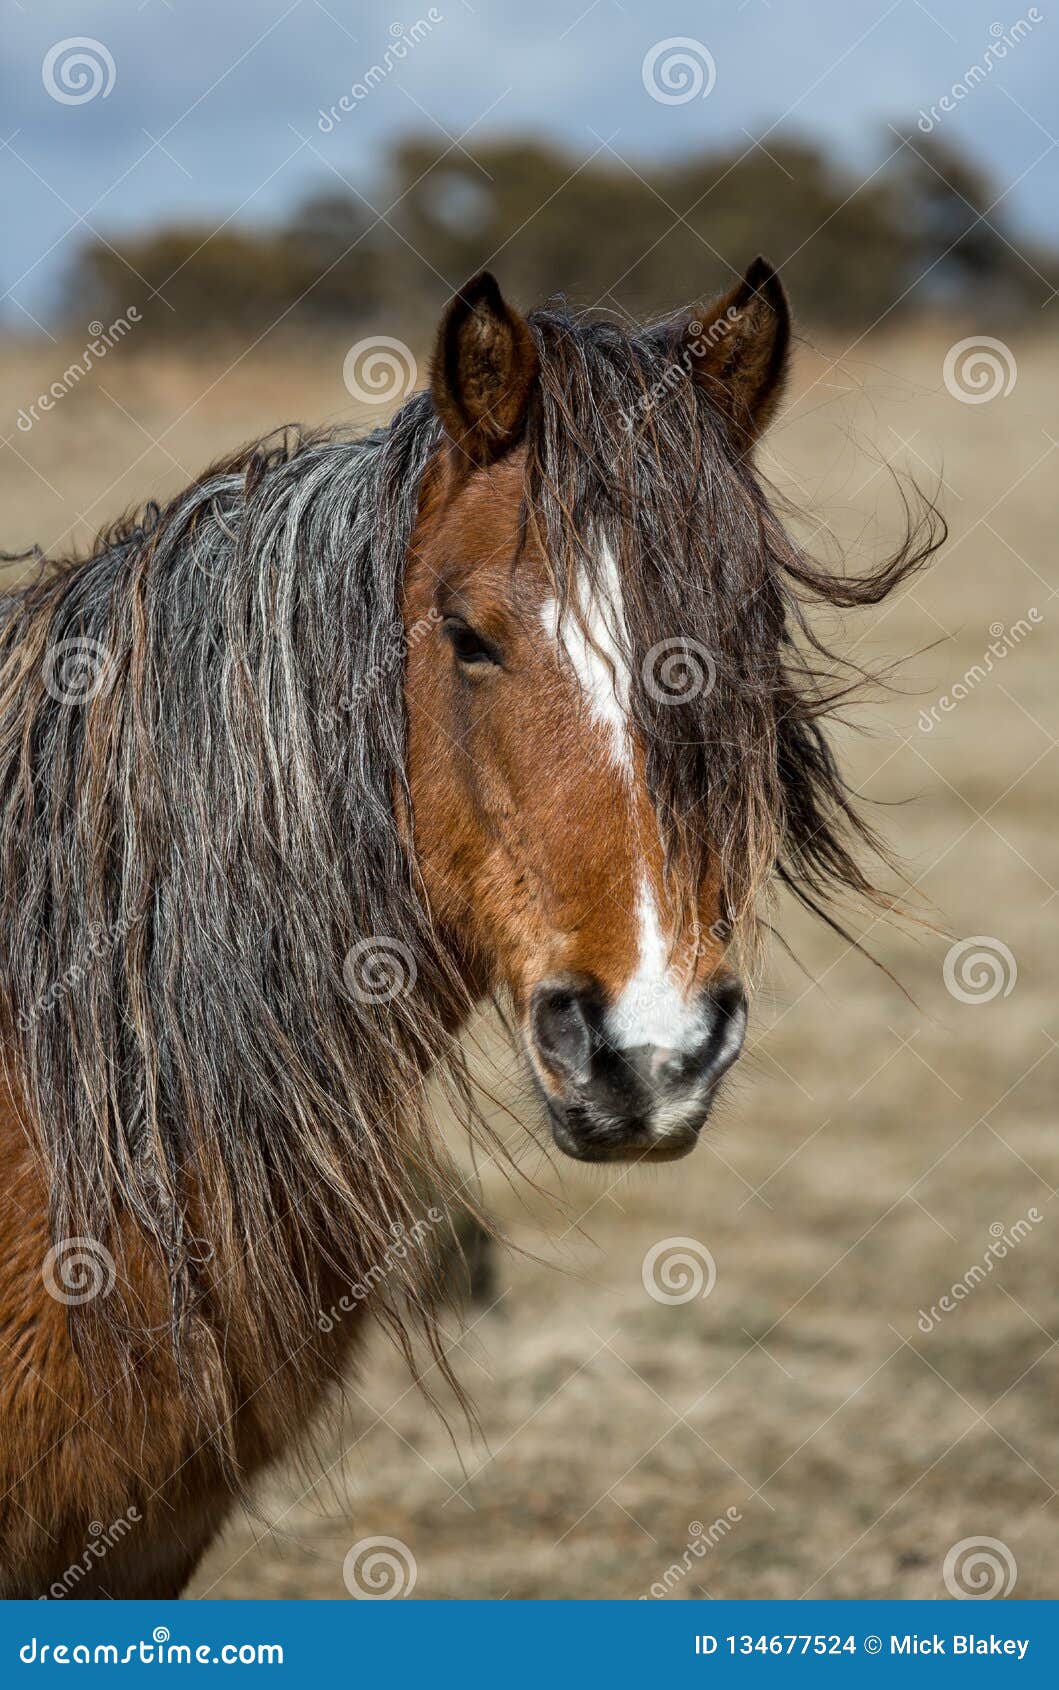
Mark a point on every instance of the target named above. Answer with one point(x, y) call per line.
point(201, 741)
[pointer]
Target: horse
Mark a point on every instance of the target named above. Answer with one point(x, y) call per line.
point(516, 698)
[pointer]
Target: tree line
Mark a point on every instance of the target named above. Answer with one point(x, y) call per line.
point(922, 233)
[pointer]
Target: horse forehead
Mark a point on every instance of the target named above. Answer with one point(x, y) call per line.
point(484, 516)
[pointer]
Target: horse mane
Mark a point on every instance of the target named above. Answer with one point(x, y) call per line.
point(189, 856)
point(187, 859)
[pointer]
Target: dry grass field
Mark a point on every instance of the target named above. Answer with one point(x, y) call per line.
point(871, 1154)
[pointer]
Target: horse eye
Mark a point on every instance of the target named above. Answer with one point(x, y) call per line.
point(470, 647)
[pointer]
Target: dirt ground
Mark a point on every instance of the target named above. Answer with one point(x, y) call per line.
point(809, 1427)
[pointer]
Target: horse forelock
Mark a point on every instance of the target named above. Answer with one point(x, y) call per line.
point(691, 600)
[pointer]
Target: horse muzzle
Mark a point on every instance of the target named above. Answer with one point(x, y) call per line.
point(612, 1102)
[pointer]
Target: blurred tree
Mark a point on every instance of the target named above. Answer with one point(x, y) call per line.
point(335, 240)
point(637, 241)
point(961, 249)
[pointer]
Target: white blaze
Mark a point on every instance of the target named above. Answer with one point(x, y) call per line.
point(592, 640)
point(652, 1008)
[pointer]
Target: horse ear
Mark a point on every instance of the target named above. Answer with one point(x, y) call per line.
point(485, 365)
point(738, 348)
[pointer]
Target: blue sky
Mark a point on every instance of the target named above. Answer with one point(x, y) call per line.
point(213, 108)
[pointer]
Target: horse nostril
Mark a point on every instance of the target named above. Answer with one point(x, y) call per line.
point(728, 1017)
point(560, 1028)
point(729, 996)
